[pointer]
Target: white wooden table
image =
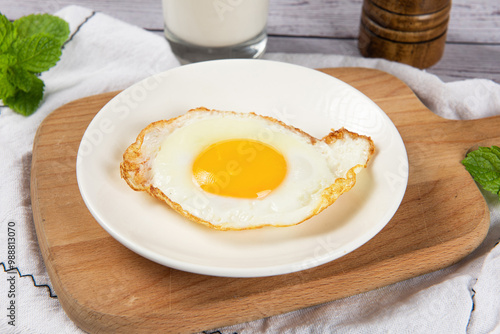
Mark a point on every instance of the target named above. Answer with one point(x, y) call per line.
point(325, 26)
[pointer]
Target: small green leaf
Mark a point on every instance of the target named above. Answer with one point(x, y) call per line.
point(7, 60)
point(31, 25)
point(484, 166)
point(37, 53)
point(495, 150)
point(28, 46)
point(26, 103)
point(7, 33)
point(20, 78)
point(6, 88)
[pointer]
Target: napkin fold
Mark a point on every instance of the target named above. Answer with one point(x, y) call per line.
point(105, 54)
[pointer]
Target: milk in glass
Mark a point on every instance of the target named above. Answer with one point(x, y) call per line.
point(215, 24)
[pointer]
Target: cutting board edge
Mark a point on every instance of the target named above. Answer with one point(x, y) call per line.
point(74, 310)
point(97, 315)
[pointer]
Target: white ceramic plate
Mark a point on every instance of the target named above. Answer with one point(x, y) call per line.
point(302, 97)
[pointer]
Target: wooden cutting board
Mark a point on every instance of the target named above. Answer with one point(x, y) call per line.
point(104, 287)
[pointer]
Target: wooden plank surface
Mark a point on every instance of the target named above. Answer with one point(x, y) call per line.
point(325, 26)
point(104, 287)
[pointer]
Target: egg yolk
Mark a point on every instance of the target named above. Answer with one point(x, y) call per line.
point(242, 168)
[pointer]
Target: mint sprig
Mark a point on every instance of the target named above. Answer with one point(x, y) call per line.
point(28, 46)
point(484, 166)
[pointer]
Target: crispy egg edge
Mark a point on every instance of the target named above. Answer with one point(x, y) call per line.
point(134, 168)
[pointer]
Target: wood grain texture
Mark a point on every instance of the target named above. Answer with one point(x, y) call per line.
point(325, 26)
point(457, 63)
point(472, 21)
point(414, 35)
point(383, 14)
point(106, 288)
point(412, 7)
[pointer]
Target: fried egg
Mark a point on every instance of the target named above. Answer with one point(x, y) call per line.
point(236, 171)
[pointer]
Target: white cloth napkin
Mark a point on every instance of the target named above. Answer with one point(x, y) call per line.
point(105, 55)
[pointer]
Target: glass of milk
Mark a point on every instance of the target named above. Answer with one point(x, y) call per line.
point(199, 30)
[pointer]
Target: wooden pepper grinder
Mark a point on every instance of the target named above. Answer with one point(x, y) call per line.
point(407, 31)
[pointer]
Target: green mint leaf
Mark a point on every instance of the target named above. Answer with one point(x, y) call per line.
point(28, 46)
point(7, 60)
point(7, 33)
point(37, 53)
point(7, 89)
point(34, 24)
point(495, 150)
point(26, 103)
point(20, 78)
point(484, 166)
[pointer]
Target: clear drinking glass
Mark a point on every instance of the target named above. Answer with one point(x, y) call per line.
point(199, 30)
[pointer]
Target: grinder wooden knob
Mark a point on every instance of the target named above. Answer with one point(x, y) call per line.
point(407, 31)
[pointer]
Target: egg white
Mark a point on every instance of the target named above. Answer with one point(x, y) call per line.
point(312, 166)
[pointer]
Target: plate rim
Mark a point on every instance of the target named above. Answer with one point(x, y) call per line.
point(223, 271)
